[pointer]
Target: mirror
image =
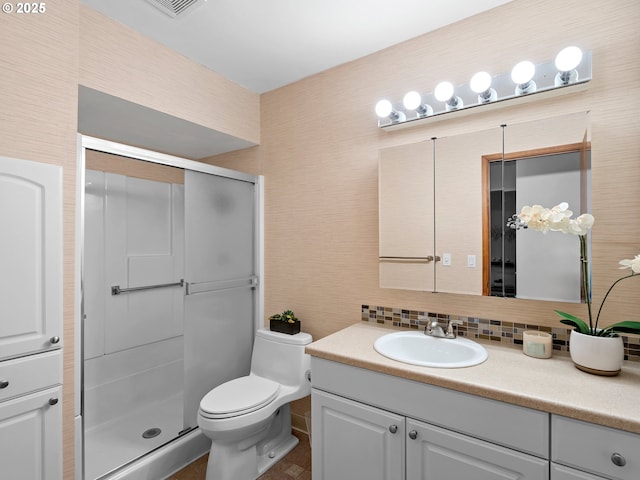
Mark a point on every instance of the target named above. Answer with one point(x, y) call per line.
point(443, 205)
point(544, 162)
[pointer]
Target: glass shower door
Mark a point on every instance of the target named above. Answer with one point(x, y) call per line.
point(220, 301)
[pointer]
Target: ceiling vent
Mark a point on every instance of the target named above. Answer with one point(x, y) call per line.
point(176, 8)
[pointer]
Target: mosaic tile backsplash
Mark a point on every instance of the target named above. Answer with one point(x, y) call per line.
point(508, 334)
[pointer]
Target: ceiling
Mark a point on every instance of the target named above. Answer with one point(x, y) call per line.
point(265, 44)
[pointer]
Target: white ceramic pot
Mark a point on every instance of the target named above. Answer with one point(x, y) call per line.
point(597, 355)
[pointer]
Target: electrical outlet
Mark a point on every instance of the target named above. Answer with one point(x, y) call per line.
point(471, 261)
point(446, 259)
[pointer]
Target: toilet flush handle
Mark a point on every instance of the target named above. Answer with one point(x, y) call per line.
point(308, 375)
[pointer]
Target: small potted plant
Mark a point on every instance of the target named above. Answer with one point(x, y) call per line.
point(285, 322)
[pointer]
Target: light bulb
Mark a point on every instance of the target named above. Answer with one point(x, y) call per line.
point(523, 72)
point(568, 59)
point(480, 82)
point(444, 91)
point(384, 108)
point(412, 100)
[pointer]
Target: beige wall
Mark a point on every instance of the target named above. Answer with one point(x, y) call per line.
point(320, 147)
point(38, 118)
point(121, 62)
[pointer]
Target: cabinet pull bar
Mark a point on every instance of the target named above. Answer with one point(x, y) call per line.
point(116, 290)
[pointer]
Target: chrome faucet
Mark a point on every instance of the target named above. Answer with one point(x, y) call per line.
point(435, 330)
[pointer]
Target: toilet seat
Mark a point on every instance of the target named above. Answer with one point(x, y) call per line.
point(238, 397)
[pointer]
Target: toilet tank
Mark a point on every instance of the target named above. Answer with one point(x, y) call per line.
point(280, 357)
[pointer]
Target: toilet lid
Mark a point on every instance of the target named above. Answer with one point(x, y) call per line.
point(239, 396)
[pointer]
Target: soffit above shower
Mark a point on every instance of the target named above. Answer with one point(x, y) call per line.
point(112, 118)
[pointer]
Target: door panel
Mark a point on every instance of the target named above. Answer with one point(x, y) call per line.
point(30, 256)
point(358, 442)
point(31, 436)
point(439, 454)
point(219, 268)
point(144, 247)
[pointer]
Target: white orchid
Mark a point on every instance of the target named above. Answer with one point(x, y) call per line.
point(633, 264)
point(558, 219)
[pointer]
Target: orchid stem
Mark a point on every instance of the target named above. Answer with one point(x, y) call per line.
point(585, 279)
point(608, 292)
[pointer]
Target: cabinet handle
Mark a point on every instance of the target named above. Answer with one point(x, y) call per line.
point(393, 428)
point(413, 434)
point(4, 383)
point(618, 460)
point(55, 339)
point(53, 401)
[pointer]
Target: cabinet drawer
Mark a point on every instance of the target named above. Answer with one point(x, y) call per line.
point(27, 374)
point(509, 425)
point(592, 448)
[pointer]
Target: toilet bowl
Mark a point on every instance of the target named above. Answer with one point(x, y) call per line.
point(248, 419)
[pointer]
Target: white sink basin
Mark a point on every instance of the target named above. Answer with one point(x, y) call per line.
point(416, 348)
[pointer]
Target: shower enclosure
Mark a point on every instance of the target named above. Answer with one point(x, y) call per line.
point(171, 299)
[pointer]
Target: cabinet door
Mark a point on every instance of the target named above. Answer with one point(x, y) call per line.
point(31, 436)
point(558, 472)
point(30, 257)
point(437, 454)
point(405, 216)
point(458, 209)
point(355, 441)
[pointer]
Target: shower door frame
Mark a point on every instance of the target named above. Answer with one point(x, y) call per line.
point(85, 142)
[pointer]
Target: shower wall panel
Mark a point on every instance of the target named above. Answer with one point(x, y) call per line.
point(144, 246)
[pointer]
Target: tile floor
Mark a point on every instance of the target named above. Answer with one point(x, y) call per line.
point(295, 466)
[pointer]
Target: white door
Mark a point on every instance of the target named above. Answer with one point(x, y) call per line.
point(30, 257)
point(31, 436)
point(355, 441)
point(434, 453)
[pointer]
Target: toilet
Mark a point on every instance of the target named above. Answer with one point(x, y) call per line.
point(248, 419)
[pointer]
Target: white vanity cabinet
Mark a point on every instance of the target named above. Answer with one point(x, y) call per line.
point(30, 320)
point(368, 425)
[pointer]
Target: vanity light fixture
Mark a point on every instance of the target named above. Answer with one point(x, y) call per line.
point(445, 92)
point(481, 84)
point(522, 75)
point(569, 73)
point(413, 101)
point(384, 109)
point(566, 62)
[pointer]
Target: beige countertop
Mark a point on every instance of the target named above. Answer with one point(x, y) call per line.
point(552, 385)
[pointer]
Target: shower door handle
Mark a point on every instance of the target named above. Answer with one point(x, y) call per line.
point(116, 290)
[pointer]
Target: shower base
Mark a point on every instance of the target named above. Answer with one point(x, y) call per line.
point(115, 443)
